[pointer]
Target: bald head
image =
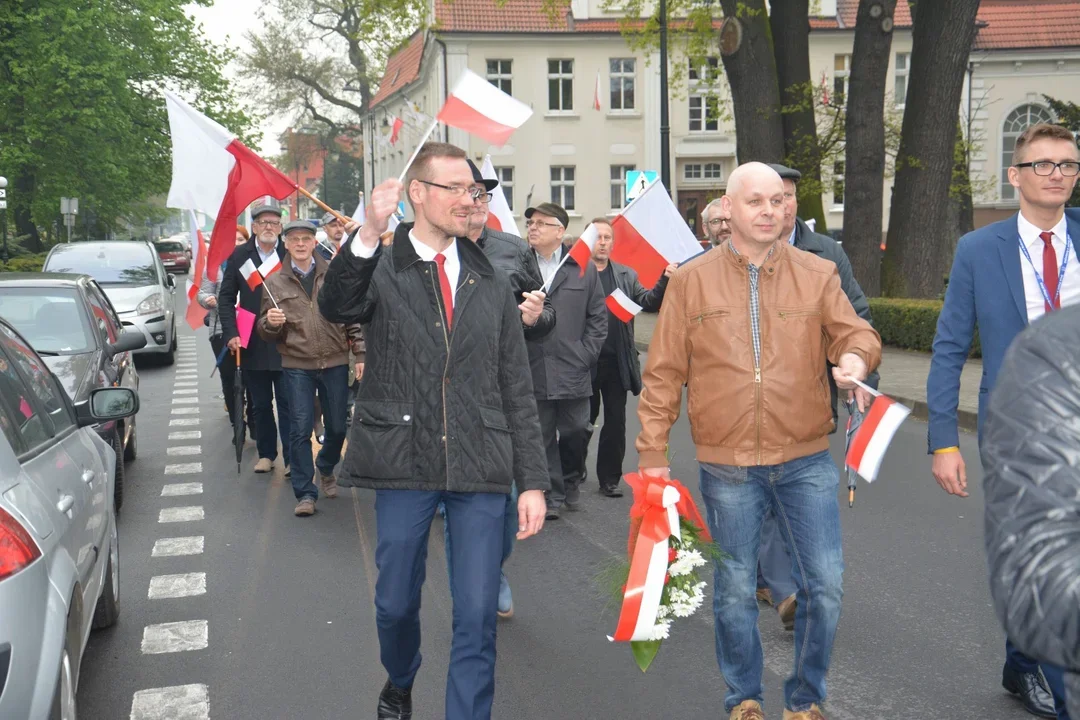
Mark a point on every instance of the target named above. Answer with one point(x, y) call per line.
point(755, 202)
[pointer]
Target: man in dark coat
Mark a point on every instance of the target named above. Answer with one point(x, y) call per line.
point(445, 414)
point(618, 369)
point(260, 360)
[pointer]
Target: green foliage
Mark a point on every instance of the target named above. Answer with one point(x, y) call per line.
point(910, 324)
point(1067, 114)
point(81, 113)
point(24, 263)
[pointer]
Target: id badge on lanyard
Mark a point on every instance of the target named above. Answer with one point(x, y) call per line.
point(1052, 302)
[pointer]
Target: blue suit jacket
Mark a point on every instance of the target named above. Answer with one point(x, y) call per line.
point(985, 288)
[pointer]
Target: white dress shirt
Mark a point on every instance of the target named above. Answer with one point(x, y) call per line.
point(452, 266)
point(1070, 285)
point(548, 266)
point(265, 255)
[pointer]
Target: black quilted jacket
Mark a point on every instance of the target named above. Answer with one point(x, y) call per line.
point(436, 410)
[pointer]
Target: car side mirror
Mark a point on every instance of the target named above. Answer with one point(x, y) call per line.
point(127, 341)
point(111, 403)
point(170, 280)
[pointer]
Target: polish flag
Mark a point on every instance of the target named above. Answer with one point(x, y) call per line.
point(196, 313)
point(360, 214)
point(214, 173)
point(596, 95)
point(395, 128)
point(582, 249)
point(621, 306)
point(650, 234)
point(874, 435)
point(479, 108)
point(269, 266)
point(499, 215)
point(251, 275)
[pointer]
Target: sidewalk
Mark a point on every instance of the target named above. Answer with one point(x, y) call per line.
point(903, 376)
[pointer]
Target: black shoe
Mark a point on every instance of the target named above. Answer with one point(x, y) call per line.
point(395, 703)
point(611, 492)
point(552, 513)
point(1032, 694)
point(573, 497)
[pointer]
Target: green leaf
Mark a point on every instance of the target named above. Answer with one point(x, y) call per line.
point(645, 652)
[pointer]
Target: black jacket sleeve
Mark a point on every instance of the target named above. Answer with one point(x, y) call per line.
point(1031, 453)
point(649, 300)
point(348, 294)
point(528, 279)
point(227, 295)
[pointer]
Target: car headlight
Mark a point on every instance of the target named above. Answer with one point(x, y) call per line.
point(149, 306)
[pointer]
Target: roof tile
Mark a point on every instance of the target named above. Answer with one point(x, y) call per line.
point(402, 68)
point(1030, 24)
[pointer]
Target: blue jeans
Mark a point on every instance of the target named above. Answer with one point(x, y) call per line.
point(510, 529)
point(802, 493)
point(265, 386)
point(476, 521)
point(332, 385)
point(774, 563)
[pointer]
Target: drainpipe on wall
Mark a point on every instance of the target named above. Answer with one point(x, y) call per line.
point(445, 88)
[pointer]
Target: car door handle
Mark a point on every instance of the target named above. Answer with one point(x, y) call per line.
point(66, 503)
point(88, 476)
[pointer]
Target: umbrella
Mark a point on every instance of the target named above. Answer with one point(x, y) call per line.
point(238, 411)
point(855, 419)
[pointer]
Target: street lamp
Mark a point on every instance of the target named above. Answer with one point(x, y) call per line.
point(3, 206)
point(665, 129)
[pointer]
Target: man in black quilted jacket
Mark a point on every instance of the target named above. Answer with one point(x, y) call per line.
point(445, 414)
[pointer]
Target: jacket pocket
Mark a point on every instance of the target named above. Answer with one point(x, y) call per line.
point(382, 434)
point(498, 446)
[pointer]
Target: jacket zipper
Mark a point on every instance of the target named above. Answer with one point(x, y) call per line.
point(757, 375)
point(446, 370)
point(784, 315)
point(712, 313)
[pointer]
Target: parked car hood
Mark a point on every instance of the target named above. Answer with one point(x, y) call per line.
point(73, 372)
point(126, 297)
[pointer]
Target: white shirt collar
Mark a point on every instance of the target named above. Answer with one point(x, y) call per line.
point(791, 237)
point(1029, 233)
point(555, 255)
point(428, 253)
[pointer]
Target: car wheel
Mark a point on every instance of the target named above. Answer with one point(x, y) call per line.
point(108, 605)
point(64, 700)
point(131, 447)
point(170, 357)
point(118, 490)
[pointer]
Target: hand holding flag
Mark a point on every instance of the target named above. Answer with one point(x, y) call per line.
point(868, 441)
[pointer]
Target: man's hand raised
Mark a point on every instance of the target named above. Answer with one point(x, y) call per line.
point(384, 202)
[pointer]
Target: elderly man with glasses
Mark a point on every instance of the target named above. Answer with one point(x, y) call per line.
point(717, 223)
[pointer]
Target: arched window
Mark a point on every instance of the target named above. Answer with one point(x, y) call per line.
point(1015, 124)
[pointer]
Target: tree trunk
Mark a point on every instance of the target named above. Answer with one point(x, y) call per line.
point(755, 95)
point(920, 243)
point(25, 229)
point(864, 152)
point(963, 220)
point(790, 25)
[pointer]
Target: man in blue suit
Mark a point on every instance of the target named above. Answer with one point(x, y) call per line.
point(1005, 276)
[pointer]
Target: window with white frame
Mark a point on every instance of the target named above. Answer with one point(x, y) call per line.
point(505, 176)
point(500, 74)
point(621, 72)
point(560, 85)
point(841, 76)
point(1015, 124)
point(708, 70)
point(838, 183)
point(618, 185)
point(562, 186)
point(692, 171)
point(903, 60)
point(704, 113)
point(711, 171)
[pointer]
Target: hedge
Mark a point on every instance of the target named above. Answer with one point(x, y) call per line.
point(910, 324)
point(24, 263)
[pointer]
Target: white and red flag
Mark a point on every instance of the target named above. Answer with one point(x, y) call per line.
point(270, 266)
point(395, 130)
point(479, 108)
point(596, 94)
point(871, 440)
point(621, 306)
point(650, 234)
point(216, 174)
point(582, 249)
point(196, 313)
point(251, 274)
point(499, 215)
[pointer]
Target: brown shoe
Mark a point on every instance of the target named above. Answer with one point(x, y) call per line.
point(328, 484)
point(763, 595)
point(747, 710)
point(304, 508)
point(264, 465)
point(787, 612)
point(814, 713)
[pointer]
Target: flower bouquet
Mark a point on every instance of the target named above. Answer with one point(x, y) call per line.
point(669, 545)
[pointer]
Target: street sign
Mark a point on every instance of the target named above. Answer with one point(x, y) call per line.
point(3, 204)
point(637, 181)
point(3, 192)
point(69, 206)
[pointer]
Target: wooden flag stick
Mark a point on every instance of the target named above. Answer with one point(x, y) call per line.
point(431, 129)
point(344, 220)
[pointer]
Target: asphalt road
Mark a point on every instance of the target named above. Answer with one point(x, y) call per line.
point(282, 625)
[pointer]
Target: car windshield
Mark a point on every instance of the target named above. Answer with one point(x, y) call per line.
point(49, 318)
point(113, 264)
point(173, 247)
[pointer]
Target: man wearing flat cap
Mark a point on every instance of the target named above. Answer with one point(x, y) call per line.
point(314, 359)
point(776, 584)
point(335, 232)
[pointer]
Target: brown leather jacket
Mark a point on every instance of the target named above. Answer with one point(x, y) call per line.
point(741, 414)
point(307, 340)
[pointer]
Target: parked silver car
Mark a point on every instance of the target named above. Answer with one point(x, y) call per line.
point(132, 275)
point(59, 550)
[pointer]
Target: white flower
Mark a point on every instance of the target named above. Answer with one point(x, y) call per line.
point(662, 612)
point(685, 562)
point(660, 631)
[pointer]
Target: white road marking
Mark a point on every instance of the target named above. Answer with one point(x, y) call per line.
point(185, 411)
point(187, 364)
point(164, 587)
point(189, 513)
point(185, 400)
point(183, 469)
point(180, 702)
point(186, 383)
point(175, 637)
point(178, 546)
point(181, 422)
point(193, 375)
point(184, 450)
point(186, 435)
point(186, 391)
point(176, 489)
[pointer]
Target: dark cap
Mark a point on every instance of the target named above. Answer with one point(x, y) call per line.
point(263, 209)
point(551, 210)
point(297, 225)
point(328, 218)
point(489, 184)
point(786, 173)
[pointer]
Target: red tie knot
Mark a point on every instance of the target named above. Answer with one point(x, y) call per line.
point(1047, 238)
point(440, 259)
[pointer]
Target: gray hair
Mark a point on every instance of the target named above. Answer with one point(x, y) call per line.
point(705, 212)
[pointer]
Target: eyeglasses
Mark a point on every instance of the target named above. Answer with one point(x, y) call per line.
point(268, 223)
point(458, 190)
point(1069, 168)
point(537, 223)
point(299, 238)
point(716, 222)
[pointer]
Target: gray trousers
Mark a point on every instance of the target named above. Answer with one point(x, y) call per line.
point(563, 423)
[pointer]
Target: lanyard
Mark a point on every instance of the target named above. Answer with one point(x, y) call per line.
point(1053, 303)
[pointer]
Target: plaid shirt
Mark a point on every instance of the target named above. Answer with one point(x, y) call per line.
point(755, 307)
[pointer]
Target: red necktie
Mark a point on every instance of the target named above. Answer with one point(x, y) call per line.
point(448, 294)
point(1050, 271)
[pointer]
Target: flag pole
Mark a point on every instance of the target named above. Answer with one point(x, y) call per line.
point(562, 262)
point(431, 129)
point(271, 295)
point(344, 220)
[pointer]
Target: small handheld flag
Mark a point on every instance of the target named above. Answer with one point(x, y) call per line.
point(870, 442)
point(621, 306)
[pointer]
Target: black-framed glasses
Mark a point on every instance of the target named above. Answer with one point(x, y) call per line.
point(715, 222)
point(268, 223)
point(1069, 168)
point(458, 190)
